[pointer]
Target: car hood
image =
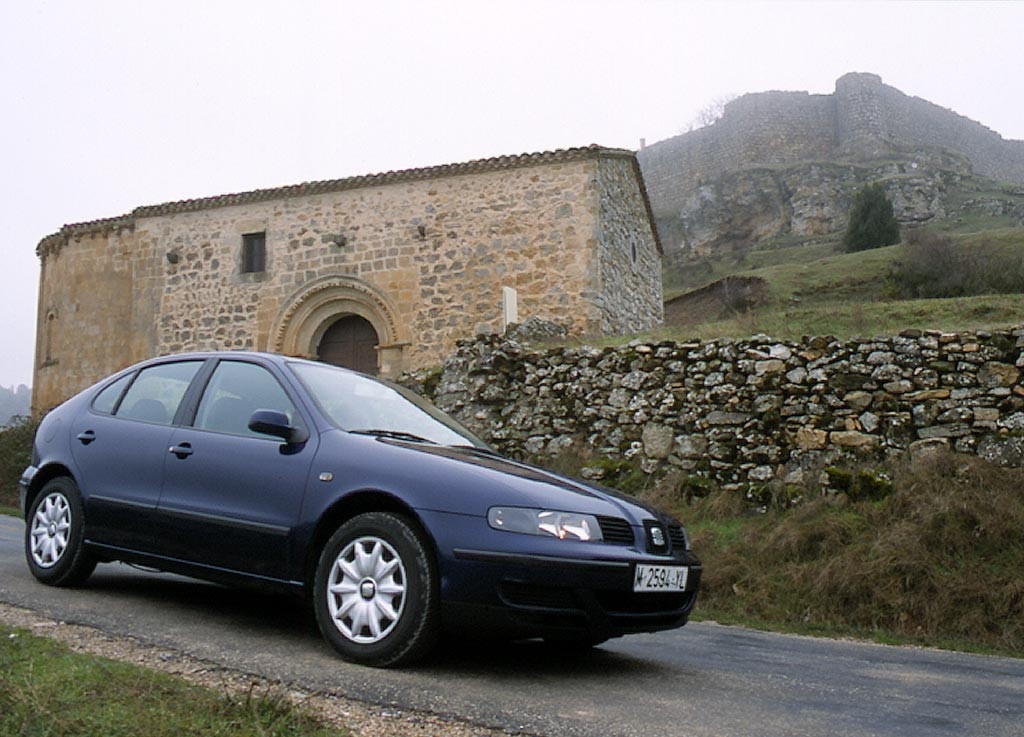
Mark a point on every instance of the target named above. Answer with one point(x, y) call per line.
point(468, 480)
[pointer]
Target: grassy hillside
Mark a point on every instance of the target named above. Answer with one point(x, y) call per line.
point(814, 288)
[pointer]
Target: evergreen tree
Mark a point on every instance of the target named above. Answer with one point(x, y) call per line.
point(872, 223)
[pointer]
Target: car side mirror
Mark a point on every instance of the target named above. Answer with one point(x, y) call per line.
point(272, 422)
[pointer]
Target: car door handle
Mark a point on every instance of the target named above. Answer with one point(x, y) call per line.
point(86, 437)
point(182, 450)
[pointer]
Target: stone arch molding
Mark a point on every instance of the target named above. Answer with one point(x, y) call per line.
point(306, 315)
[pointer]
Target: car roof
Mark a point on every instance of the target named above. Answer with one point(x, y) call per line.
point(277, 358)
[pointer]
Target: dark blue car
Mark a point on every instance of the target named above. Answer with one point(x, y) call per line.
point(247, 468)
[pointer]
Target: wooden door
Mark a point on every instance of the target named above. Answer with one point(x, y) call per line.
point(350, 342)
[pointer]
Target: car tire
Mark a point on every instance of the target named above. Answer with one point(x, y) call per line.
point(376, 592)
point(55, 535)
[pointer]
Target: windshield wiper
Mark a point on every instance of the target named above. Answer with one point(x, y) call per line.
point(478, 449)
point(396, 434)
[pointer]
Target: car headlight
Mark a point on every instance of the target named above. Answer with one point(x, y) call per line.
point(563, 525)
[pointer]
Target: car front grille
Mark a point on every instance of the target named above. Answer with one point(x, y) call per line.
point(616, 531)
point(534, 596)
point(677, 536)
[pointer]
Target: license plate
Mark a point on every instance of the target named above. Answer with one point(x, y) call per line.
point(660, 578)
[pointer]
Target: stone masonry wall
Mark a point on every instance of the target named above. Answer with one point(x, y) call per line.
point(438, 248)
point(84, 314)
point(746, 412)
point(628, 256)
point(444, 283)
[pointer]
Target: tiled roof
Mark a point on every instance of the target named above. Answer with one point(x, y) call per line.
point(495, 163)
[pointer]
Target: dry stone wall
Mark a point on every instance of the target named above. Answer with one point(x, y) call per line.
point(746, 412)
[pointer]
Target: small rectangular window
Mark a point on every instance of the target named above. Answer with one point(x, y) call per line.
point(254, 253)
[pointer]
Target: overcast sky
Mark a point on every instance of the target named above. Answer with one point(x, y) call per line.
point(111, 105)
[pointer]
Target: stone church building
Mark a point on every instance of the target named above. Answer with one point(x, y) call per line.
point(381, 272)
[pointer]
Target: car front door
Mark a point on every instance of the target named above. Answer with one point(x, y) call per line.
point(231, 497)
point(119, 445)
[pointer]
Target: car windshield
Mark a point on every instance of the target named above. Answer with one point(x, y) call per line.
point(368, 406)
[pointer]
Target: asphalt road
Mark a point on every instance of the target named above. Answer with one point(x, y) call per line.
point(701, 680)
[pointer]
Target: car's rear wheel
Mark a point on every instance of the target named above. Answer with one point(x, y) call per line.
point(376, 591)
point(54, 535)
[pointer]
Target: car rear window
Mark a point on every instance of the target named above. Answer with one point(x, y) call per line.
point(106, 400)
point(155, 394)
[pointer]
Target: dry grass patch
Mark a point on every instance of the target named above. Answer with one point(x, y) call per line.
point(939, 560)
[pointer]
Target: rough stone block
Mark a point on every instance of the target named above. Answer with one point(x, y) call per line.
point(858, 399)
point(994, 373)
point(853, 439)
point(771, 366)
point(718, 417)
point(658, 440)
point(691, 446)
point(923, 450)
point(808, 438)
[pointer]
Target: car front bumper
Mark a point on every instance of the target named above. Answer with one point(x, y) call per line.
point(24, 483)
point(531, 586)
point(543, 596)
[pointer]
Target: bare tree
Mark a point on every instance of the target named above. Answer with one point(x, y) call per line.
point(709, 113)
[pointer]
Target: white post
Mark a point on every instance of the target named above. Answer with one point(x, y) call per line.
point(509, 307)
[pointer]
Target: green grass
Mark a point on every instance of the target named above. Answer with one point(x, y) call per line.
point(705, 271)
point(10, 511)
point(815, 290)
point(705, 613)
point(850, 319)
point(45, 689)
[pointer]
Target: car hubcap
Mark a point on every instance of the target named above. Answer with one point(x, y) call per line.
point(366, 590)
point(50, 528)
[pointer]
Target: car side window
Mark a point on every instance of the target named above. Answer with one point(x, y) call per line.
point(235, 391)
point(155, 395)
point(106, 400)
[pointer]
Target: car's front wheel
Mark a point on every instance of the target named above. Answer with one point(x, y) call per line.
point(55, 534)
point(376, 591)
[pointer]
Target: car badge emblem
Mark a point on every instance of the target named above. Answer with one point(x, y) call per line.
point(657, 537)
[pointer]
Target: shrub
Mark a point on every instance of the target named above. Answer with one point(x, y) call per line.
point(934, 266)
point(872, 223)
point(15, 455)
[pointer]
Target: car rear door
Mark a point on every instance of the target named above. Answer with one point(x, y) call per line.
point(231, 497)
point(119, 445)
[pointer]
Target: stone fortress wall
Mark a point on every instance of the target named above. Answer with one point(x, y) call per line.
point(863, 119)
point(746, 412)
point(421, 254)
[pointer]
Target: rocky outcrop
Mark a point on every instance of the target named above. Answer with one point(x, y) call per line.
point(787, 163)
point(748, 412)
point(743, 208)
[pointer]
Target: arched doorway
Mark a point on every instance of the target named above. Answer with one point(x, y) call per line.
point(304, 318)
point(350, 342)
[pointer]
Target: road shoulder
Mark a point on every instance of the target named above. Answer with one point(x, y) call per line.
point(361, 719)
